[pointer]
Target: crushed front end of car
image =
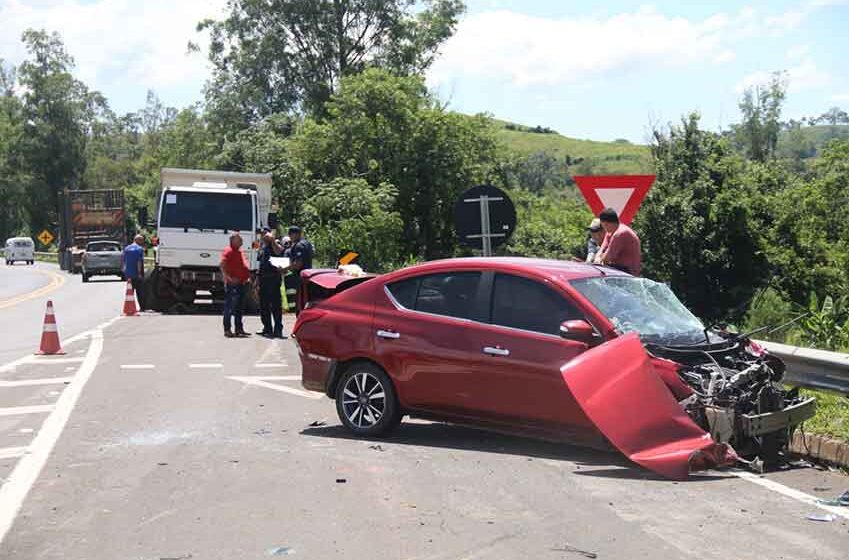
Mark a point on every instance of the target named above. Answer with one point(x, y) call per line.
point(737, 395)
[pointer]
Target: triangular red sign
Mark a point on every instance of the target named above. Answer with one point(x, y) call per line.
point(623, 193)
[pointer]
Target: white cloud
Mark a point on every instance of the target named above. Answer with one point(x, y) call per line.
point(804, 76)
point(798, 52)
point(117, 42)
point(840, 97)
point(528, 50)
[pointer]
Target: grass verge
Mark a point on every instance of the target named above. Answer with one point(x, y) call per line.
point(832, 417)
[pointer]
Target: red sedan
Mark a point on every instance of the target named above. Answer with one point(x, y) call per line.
point(558, 350)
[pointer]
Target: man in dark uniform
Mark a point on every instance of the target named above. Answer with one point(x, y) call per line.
point(270, 278)
point(300, 256)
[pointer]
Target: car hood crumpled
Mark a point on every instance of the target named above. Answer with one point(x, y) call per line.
point(628, 402)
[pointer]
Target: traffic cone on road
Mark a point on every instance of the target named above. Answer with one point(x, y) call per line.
point(130, 301)
point(50, 334)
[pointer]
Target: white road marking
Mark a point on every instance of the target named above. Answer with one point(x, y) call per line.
point(18, 484)
point(51, 360)
point(138, 366)
point(205, 366)
point(36, 409)
point(262, 382)
point(29, 382)
point(789, 492)
point(12, 452)
point(271, 365)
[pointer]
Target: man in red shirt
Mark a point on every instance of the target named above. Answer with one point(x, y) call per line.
point(236, 276)
point(621, 246)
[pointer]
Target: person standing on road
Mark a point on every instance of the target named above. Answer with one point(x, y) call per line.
point(236, 276)
point(621, 246)
point(300, 258)
point(595, 239)
point(132, 265)
point(270, 279)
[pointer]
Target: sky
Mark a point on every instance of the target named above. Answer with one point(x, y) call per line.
point(596, 70)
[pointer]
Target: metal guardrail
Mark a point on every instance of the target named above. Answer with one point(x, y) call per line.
point(809, 367)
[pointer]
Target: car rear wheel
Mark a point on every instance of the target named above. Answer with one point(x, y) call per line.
point(85, 277)
point(366, 401)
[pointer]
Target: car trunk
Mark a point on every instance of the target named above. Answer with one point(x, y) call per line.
point(320, 284)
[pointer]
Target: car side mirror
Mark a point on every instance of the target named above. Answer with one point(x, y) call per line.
point(578, 330)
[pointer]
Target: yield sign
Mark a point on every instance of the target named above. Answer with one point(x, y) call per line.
point(623, 193)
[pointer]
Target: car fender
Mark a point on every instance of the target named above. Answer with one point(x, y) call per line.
point(615, 385)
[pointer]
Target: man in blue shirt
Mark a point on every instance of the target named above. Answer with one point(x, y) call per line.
point(132, 265)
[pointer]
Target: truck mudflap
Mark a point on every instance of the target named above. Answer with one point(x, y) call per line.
point(617, 389)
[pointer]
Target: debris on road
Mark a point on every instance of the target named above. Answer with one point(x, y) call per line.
point(162, 464)
point(824, 517)
point(316, 423)
point(341, 480)
point(840, 501)
point(281, 551)
point(376, 447)
point(574, 550)
point(262, 432)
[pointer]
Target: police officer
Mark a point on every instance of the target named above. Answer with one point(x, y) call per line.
point(300, 256)
point(270, 278)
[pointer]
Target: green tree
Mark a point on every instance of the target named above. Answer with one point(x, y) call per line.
point(549, 226)
point(59, 111)
point(12, 217)
point(387, 129)
point(757, 134)
point(272, 56)
point(696, 224)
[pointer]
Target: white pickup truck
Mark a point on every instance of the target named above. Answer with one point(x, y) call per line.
point(197, 211)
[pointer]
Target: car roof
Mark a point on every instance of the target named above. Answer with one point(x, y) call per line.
point(564, 270)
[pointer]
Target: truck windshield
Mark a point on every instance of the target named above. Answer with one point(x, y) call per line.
point(207, 210)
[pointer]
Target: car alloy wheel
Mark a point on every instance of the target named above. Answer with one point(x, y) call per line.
point(365, 401)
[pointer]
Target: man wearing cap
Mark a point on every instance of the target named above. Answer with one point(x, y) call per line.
point(594, 240)
point(270, 278)
point(621, 246)
point(300, 257)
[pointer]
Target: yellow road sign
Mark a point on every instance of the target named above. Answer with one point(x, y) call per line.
point(348, 257)
point(45, 237)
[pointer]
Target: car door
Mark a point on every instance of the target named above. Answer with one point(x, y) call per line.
point(519, 355)
point(424, 337)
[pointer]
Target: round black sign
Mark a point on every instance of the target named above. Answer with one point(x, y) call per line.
point(469, 216)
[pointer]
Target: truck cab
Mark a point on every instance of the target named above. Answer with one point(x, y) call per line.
point(197, 212)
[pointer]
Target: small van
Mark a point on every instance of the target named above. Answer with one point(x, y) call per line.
point(20, 249)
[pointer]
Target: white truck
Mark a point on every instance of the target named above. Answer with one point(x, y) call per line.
point(197, 211)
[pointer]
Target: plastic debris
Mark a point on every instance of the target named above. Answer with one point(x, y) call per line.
point(824, 517)
point(341, 480)
point(840, 501)
point(262, 432)
point(573, 550)
point(316, 423)
point(376, 447)
point(281, 551)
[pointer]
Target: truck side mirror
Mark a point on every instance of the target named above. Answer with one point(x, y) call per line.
point(273, 222)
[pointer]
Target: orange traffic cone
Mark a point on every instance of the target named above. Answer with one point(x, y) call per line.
point(130, 301)
point(50, 334)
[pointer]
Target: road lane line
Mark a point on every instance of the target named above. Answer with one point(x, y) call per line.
point(20, 481)
point(51, 360)
point(12, 452)
point(56, 281)
point(36, 409)
point(259, 382)
point(31, 382)
point(270, 365)
point(205, 366)
point(138, 366)
point(789, 492)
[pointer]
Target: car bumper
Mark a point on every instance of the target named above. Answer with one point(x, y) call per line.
point(754, 425)
point(315, 370)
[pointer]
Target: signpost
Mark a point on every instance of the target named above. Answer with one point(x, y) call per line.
point(45, 237)
point(484, 217)
point(623, 193)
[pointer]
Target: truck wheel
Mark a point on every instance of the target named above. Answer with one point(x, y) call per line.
point(158, 293)
point(85, 277)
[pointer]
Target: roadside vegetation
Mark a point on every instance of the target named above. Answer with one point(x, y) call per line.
point(747, 225)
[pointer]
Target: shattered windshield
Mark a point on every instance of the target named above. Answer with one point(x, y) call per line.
point(642, 305)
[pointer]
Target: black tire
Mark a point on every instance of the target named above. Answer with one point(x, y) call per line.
point(382, 414)
point(85, 277)
point(158, 294)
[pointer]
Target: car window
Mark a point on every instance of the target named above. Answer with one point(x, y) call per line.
point(103, 247)
point(452, 294)
point(405, 292)
point(529, 305)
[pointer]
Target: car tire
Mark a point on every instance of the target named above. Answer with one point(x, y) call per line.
point(382, 415)
point(85, 277)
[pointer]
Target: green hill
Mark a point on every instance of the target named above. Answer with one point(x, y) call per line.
point(594, 158)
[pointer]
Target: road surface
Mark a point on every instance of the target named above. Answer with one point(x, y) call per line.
point(168, 441)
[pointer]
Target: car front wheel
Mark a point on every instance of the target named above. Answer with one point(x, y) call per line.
point(366, 401)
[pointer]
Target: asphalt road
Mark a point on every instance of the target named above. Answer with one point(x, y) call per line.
point(168, 441)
